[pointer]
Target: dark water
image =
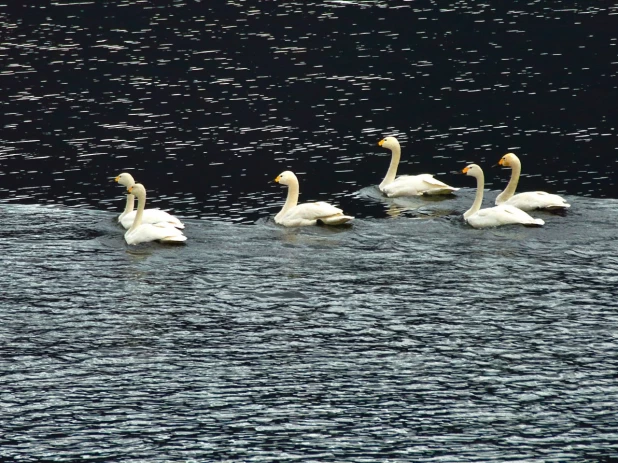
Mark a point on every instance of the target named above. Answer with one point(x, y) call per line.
point(406, 337)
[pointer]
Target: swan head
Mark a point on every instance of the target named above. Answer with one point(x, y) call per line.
point(508, 160)
point(137, 190)
point(473, 170)
point(390, 143)
point(125, 179)
point(286, 178)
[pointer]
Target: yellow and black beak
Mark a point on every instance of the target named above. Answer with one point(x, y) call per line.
point(130, 189)
point(465, 170)
point(278, 179)
point(381, 142)
point(117, 179)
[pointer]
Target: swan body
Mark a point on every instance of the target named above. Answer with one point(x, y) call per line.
point(408, 185)
point(298, 215)
point(140, 232)
point(127, 217)
point(493, 216)
point(530, 200)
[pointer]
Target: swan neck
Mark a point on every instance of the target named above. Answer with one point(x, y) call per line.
point(478, 199)
point(509, 191)
point(129, 205)
point(392, 168)
point(141, 204)
point(291, 200)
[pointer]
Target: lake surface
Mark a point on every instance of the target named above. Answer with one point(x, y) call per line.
point(407, 336)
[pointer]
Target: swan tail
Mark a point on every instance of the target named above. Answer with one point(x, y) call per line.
point(174, 239)
point(535, 223)
point(336, 219)
point(558, 207)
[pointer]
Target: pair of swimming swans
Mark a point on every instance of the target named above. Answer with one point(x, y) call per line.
point(503, 214)
point(145, 225)
point(293, 214)
point(510, 207)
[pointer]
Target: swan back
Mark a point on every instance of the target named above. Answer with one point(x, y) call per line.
point(125, 179)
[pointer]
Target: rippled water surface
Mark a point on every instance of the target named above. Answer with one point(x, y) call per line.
point(399, 339)
point(405, 337)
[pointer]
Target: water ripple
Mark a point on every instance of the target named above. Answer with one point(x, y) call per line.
point(243, 344)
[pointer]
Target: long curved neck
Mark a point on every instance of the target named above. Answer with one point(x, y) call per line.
point(129, 206)
point(509, 191)
point(478, 199)
point(392, 168)
point(291, 200)
point(141, 204)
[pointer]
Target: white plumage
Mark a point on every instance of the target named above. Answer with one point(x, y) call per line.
point(493, 216)
point(127, 217)
point(297, 215)
point(408, 185)
point(146, 232)
point(530, 200)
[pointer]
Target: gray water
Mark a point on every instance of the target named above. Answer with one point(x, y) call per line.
point(393, 340)
point(405, 337)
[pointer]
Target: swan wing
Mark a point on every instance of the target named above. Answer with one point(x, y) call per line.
point(148, 232)
point(532, 200)
point(502, 215)
point(311, 213)
point(416, 185)
point(151, 216)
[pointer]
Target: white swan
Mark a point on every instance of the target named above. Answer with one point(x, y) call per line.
point(150, 215)
point(297, 215)
point(493, 216)
point(530, 200)
point(145, 232)
point(408, 185)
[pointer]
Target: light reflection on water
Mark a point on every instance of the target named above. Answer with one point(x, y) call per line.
point(207, 104)
point(407, 336)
